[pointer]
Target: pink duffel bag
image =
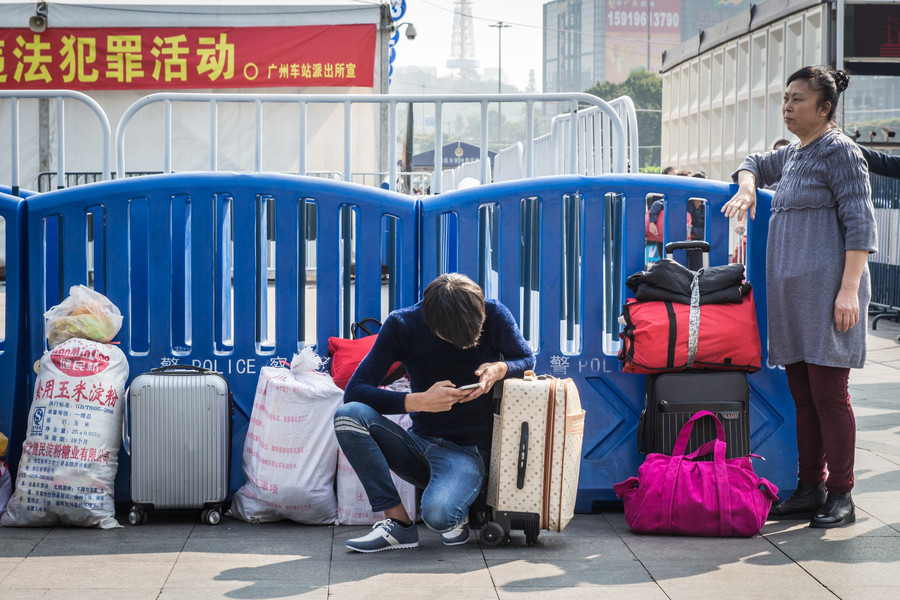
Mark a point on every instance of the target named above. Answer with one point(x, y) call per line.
point(679, 495)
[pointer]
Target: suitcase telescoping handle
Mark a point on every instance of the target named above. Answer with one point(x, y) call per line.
point(126, 427)
point(522, 462)
point(697, 256)
point(687, 245)
point(181, 368)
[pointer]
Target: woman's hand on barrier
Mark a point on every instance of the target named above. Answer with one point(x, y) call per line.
point(744, 201)
point(440, 397)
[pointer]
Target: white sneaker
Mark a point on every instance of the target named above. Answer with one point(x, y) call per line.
point(386, 535)
point(458, 536)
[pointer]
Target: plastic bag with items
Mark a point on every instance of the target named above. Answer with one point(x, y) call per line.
point(69, 458)
point(84, 314)
point(290, 454)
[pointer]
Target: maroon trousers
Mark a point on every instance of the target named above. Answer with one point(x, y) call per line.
point(826, 428)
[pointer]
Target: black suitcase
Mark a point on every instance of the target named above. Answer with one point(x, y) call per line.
point(670, 399)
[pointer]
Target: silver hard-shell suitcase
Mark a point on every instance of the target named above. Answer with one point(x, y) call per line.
point(179, 425)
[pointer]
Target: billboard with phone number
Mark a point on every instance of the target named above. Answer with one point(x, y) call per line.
point(638, 30)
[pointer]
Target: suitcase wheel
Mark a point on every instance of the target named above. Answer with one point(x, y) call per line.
point(211, 516)
point(492, 534)
point(137, 516)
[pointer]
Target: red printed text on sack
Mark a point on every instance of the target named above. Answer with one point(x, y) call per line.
point(80, 358)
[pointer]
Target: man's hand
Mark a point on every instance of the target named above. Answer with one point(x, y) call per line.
point(488, 375)
point(438, 398)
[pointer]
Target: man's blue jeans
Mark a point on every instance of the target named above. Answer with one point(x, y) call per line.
point(450, 475)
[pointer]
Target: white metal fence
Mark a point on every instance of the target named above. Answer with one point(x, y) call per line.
point(611, 157)
point(11, 99)
point(595, 137)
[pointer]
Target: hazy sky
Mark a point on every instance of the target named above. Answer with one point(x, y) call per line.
point(433, 19)
point(522, 43)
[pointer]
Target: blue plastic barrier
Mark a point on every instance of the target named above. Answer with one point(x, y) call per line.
point(15, 372)
point(884, 265)
point(5, 189)
point(575, 240)
point(181, 254)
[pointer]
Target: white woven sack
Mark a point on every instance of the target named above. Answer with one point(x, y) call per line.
point(5, 486)
point(353, 502)
point(71, 452)
point(290, 454)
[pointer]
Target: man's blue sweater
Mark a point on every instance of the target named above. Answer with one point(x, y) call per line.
point(406, 337)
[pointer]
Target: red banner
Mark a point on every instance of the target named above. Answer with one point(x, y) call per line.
point(180, 58)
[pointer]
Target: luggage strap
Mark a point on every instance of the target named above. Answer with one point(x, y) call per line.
point(694, 319)
point(693, 325)
point(673, 335)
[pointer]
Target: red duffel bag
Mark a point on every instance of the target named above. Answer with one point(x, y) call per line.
point(658, 337)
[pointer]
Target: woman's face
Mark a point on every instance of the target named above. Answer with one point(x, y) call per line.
point(802, 112)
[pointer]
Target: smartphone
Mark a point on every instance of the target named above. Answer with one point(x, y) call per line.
point(471, 386)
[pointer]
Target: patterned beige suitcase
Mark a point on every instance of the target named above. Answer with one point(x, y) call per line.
point(535, 458)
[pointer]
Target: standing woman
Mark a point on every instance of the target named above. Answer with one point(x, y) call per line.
point(821, 231)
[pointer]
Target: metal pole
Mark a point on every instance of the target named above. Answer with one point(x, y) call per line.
point(214, 135)
point(839, 45)
point(648, 36)
point(499, 25)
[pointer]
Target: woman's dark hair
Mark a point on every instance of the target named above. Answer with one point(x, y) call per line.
point(453, 306)
point(825, 80)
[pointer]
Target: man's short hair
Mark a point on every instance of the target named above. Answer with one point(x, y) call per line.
point(453, 306)
point(670, 171)
point(779, 143)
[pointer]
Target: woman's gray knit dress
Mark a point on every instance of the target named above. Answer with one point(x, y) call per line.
point(822, 208)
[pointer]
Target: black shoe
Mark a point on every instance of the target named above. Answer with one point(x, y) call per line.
point(803, 504)
point(837, 512)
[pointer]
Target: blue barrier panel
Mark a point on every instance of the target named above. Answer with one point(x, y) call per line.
point(197, 263)
point(566, 245)
point(15, 372)
point(19, 192)
point(884, 265)
point(190, 260)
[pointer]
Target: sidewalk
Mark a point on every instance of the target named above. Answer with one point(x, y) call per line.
point(597, 556)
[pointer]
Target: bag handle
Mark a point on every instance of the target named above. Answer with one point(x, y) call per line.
point(678, 456)
point(685, 434)
point(522, 459)
point(361, 325)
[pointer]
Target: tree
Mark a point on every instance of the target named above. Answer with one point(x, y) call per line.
point(645, 90)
